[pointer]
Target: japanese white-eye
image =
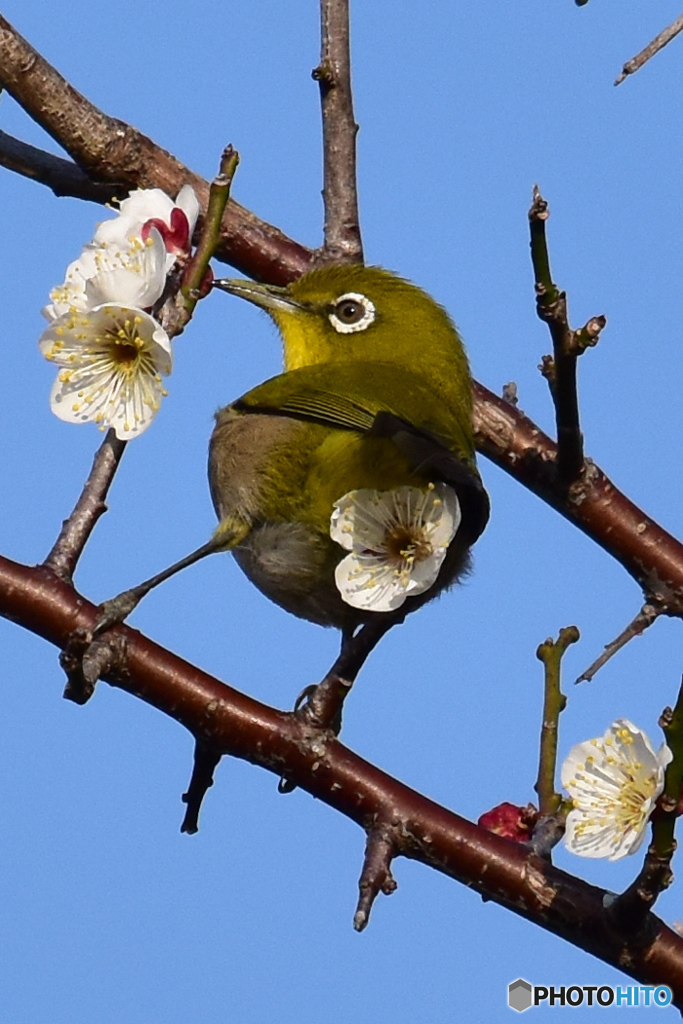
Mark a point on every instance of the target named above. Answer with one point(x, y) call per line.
point(364, 444)
point(346, 487)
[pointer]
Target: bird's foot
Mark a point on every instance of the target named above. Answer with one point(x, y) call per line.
point(321, 705)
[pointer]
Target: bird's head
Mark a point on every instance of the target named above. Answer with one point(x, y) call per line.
point(358, 314)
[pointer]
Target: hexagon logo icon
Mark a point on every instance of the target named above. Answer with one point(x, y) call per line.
point(519, 995)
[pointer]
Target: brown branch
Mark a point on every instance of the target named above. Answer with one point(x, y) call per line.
point(648, 553)
point(206, 761)
point(232, 723)
point(342, 237)
point(657, 44)
point(376, 875)
point(60, 175)
point(560, 371)
point(636, 627)
point(109, 150)
point(76, 530)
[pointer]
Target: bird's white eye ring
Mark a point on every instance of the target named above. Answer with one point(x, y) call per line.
point(351, 312)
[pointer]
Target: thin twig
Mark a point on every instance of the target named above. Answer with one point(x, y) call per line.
point(342, 237)
point(376, 875)
point(560, 371)
point(219, 193)
point(645, 617)
point(551, 653)
point(631, 908)
point(657, 44)
point(76, 530)
point(205, 762)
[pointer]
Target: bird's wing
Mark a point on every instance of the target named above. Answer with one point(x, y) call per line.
point(425, 451)
point(313, 396)
point(350, 395)
point(367, 398)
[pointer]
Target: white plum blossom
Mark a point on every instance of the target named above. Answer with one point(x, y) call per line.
point(112, 359)
point(147, 208)
point(133, 276)
point(111, 352)
point(397, 541)
point(614, 782)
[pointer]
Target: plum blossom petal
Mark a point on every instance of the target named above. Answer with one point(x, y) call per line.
point(614, 782)
point(112, 359)
point(152, 208)
point(132, 275)
point(398, 540)
point(134, 278)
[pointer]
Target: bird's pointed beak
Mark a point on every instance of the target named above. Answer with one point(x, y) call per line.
point(268, 296)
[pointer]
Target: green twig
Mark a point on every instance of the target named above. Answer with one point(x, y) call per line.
point(664, 821)
point(554, 702)
point(219, 193)
point(630, 910)
point(538, 215)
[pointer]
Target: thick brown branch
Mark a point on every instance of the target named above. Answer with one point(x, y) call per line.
point(233, 723)
point(108, 150)
point(651, 555)
point(342, 238)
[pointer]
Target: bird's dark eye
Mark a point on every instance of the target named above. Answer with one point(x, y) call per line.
point(351, 312)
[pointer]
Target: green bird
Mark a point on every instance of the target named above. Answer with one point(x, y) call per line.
point(346, 487)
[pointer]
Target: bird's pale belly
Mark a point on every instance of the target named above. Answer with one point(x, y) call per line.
point(294, 567)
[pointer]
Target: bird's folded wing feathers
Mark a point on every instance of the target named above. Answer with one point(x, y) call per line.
point(363, 398)
point(350, 395)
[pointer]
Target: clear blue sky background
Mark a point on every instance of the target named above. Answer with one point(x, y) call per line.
point(109, 915)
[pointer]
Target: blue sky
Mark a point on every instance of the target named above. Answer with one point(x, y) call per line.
point(109, 914)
